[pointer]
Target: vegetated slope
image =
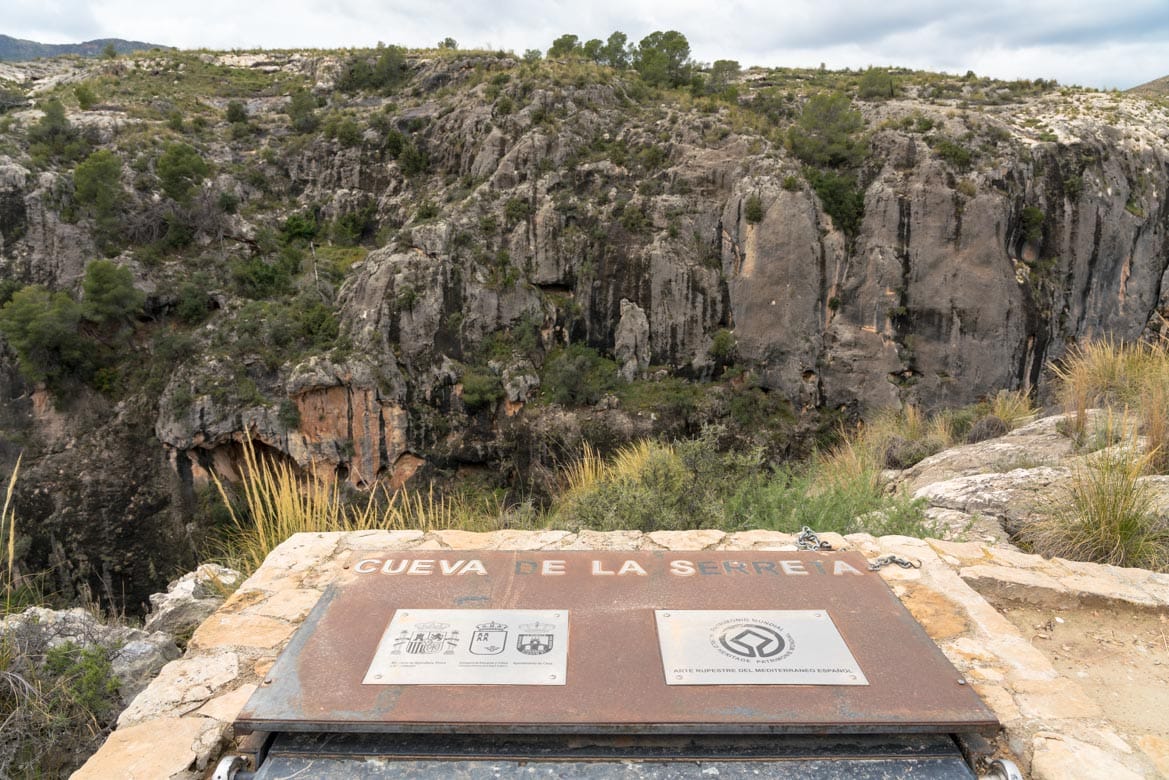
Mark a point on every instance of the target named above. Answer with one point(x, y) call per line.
point(397, 266)
point(1152, 89)
point(18, 49)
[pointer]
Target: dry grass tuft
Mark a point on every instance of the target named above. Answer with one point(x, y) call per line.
point(1013, 407)
point(1130, 379)
point(1106, 516)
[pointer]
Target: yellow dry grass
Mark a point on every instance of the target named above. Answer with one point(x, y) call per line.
point(8, 533)
point(276, 501)
point(1129, 379)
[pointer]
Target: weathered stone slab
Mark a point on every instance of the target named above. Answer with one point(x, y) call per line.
point(226, 706)
point(687, 540)
point(1059, 757)
point(607, 540)
point(182, 685)
point(1010, 584)
point(236, 630)
point(162, 749)
point(759, 540)
point(1054, 700)
point(1157, 749)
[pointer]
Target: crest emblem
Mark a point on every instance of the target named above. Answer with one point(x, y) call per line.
point(426, 639)
point(489, 639)
point(535, 638)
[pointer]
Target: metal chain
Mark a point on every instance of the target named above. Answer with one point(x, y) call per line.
point(808, 540)
point(885, 560)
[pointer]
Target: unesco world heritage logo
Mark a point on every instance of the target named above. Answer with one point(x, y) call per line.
point(752, 640)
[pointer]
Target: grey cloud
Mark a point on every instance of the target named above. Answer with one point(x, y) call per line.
point(50, 21)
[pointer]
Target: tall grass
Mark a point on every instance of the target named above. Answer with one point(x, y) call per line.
point(1121, 376)
point(1106, 515)
point(275, 501)
point(19, 591)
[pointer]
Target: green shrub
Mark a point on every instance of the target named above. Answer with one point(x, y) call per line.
point(59, 703)
point(753, 210)
point(97, 185)
point(384, 74)
point(299, 228)
point(826, 132)
point(344, 129)
point(577, 375)
point(53, 138)
point(353, 227)
point(481, 389)
point(876, 84)
point(109, 297)
point(42, 328)
point(193, 304)
point(257, 279)
point(633, 218)
point(86, 97)
point(953, 152)
point(826, 498)
point(1032, 219)
point(236, 112)
point(517, 210)
point(723, 346)
point(180, 169)
point(413, 159)
point(302, 111)
point(289, 414)
point(842, 199)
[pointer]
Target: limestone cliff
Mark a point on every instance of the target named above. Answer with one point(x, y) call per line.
point(385, 293)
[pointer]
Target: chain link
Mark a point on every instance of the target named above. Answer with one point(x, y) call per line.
point(897, 560)
point(808, 540)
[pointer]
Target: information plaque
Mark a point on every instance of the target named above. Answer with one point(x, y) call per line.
point(754, 647)
point(472, 647)
point(454, 642)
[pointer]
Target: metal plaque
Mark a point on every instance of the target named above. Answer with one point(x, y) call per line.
point(472, 647)
point(612, 676)
point(754, 647)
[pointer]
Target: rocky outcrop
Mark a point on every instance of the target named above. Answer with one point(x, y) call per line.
point(135, 655)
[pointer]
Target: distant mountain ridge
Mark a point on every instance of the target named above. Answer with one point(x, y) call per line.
point(16, 49)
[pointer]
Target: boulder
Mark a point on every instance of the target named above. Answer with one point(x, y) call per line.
point(191, 599)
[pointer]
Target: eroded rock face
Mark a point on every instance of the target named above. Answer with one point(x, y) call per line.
point(578, 215)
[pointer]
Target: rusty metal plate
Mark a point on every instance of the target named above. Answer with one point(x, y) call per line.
point(472, 647)
point(615, 677)
point(754, 647)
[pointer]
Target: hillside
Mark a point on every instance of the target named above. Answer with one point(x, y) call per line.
point(398, 267)
point(1157, 88)
point(19, 50)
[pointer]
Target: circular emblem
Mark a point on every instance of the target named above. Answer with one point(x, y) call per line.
point(752, 640)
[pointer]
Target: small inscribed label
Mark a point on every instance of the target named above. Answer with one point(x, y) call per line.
point(472, 647)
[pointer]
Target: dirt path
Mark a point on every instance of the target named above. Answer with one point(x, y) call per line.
point(1119, 657)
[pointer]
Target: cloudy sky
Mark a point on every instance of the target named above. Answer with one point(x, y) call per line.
point(1088, 42)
